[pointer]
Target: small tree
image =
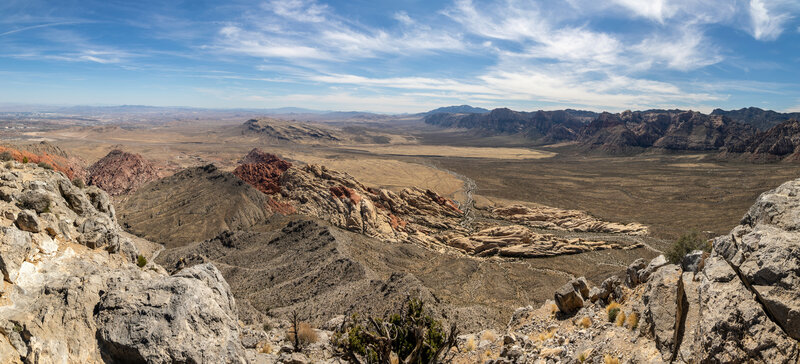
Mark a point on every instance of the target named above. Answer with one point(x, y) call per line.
point(24, 159)
point(685, 245)
point(141, 261)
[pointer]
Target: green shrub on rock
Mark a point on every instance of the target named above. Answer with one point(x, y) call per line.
point(686, 244)
point(413, 336)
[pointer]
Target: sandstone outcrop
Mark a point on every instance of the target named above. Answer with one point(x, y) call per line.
point(72, 293)
point(121, 172)
point(546, 217)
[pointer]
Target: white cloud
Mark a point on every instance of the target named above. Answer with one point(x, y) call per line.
point(403, 18)
point(766, 24)
point(306, 29)
point(299, 10)
point(687, 50)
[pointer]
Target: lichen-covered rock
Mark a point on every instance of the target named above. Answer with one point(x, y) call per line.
point(733, 326)
point(169, 319)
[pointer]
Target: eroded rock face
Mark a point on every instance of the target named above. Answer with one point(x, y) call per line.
point(121, 172)
point(61, 280)
point(733, 326)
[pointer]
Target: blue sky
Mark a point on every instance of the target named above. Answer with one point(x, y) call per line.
point(403, 56)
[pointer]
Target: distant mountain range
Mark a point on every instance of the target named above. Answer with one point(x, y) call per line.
point(633, 131)
point(760, 119)
point(461, 109)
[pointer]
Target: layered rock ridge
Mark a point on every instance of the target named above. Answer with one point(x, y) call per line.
point(422, 216)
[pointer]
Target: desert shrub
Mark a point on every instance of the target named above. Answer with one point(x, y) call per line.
point(44, 165)
point(612, 310)
point(488, 335)
point(24, 159)
point(141, 261)
point(305, 334)
point(470, 344)
point(633, 321)
point(608, 359)
point(9, 165)
point(78, 182)
point(620, 319)
point(582, 356)
point(585, 322)
point(264, 347)
point(413, 335)
point(688, 242)
point(6, 156)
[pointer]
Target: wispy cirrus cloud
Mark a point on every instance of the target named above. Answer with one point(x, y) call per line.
point(308, 29)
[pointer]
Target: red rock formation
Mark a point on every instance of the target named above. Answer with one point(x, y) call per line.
point(121, 172)
point(343, 192)
point(262, 170)
point(446, 202)
point(59, 163)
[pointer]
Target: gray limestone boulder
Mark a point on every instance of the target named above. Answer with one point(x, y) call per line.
point(15, 247)
point(27, 220)
point(188, 317)
point(657, 262)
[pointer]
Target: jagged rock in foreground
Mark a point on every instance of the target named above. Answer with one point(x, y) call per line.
point(121, 172)
point(72, 294)
point(739, 304)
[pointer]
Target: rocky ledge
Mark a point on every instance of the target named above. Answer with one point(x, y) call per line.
point(75, 288)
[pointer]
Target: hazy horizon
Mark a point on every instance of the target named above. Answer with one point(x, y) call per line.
point(404, 57)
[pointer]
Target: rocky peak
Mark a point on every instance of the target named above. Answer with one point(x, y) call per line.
point(121, 172)
point(262, 170)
